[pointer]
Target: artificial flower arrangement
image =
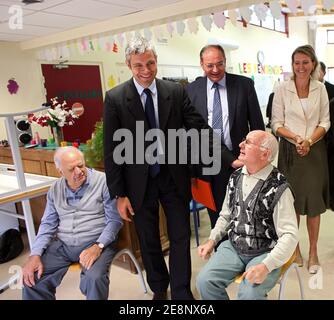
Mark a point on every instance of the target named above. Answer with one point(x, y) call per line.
point(58, 115)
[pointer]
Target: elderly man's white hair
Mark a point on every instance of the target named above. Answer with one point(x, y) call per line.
point(60, 153)
point(270, 142)
point(138, 45)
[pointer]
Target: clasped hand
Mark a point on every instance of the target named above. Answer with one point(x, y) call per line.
point(303, 148)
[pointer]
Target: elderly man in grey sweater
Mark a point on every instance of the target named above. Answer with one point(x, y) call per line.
point(259, 218)
point(80, 224)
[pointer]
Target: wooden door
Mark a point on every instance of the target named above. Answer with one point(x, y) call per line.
point(76, 83)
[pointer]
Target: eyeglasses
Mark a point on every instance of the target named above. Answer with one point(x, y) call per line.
point(218, 65)
point(247, 142)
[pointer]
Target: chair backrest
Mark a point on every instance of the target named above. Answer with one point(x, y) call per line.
point(287, 264)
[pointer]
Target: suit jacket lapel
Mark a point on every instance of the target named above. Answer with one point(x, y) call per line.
point(164, 103)
point(203, 98)
point(134, 103)
point(231, 99)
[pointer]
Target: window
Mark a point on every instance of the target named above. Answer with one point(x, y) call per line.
point(330, 36)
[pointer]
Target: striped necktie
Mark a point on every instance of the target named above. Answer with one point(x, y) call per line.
point(217, 115)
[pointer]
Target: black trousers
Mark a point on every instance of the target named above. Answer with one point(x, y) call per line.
point(162, 188)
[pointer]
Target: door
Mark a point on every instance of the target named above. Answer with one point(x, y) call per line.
point(76, 83)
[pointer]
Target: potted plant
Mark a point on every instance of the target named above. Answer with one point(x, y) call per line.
point(94, 148)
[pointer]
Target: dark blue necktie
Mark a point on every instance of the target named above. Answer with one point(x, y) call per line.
point(217, 115)
point(154, 169)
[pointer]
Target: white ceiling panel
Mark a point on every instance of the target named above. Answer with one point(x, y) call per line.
point(35, 6)
point(90, 9)
point(14, 37)
point(56, 20)
point(141, 4)
point(28, 30)
point(4, 15)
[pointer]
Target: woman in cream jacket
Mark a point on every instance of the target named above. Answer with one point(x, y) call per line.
point(300, 116)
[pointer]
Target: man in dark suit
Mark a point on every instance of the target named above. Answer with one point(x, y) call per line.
point(240, 111)
point(139, 186)
point(328, 85)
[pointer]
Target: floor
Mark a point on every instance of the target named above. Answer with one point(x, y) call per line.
point(126, 286)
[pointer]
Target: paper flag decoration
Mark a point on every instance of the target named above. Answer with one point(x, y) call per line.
point(261, 11)
point(158, 33)
point(219, 19)
point(246, 13)
point(308, 6)
point(192, 25)
point(328, 4)
point(233, 15)
point(180, 27)
point(120, 38)
point(275, 9)
point(148, 34)
point(292, 5)
point(207, 22)
point(170, 28)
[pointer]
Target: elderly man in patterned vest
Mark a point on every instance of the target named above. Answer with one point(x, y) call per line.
point(259, 218)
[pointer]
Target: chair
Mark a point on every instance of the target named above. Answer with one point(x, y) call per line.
point(76, 266)
point(195, 207)
point(285, 270)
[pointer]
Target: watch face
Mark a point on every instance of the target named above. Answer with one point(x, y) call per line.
point(101, 245)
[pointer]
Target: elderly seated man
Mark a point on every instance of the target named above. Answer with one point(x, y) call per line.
point(259, 218)
point(80, 224)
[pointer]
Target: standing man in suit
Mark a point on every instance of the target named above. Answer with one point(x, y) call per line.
point(328, 85)
point(140, 186)
point(239, 113)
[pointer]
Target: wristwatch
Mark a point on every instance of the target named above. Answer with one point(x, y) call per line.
point(100, 245)
point(310, 141)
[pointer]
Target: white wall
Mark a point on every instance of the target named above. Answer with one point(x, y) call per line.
point(26, 70)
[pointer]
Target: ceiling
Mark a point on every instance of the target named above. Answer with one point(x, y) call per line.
point(53, 16)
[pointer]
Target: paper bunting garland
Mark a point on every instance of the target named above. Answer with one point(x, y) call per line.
point(158, 33)
point(207, 22)
point(292, 5)
point(148, 34)
point(219, 19)
point(328, 4)
point(111, 43)
point(246, 13)
point(308, 6)
point(180, 27)
point(275, 9)
point(170, 28)
point(192, 25)
point(233, 15)
point(261, 11)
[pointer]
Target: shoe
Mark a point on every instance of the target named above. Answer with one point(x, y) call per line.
point(160, 295)
point(313, 265)
point(299, 260)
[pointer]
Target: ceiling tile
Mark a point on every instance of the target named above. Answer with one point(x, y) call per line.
point(5, 15)
point(140, 4)
point(28, 30)
point(14, 37)
point(55, 20)
point(90, 9)
point(35, 6)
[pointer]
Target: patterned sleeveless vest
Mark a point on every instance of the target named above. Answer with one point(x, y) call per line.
point(251, 229)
